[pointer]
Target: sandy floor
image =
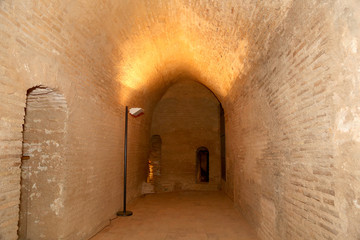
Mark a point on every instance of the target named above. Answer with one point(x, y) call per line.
point(184, 215)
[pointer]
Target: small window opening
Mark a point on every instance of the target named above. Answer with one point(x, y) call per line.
point(202, 162)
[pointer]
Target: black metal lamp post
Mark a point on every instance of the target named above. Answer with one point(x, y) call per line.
point(134, 112)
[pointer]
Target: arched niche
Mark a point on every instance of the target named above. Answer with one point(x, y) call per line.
point(42, 167)
point(154, 159)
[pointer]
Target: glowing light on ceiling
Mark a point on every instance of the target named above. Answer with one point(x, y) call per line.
point(148, 56)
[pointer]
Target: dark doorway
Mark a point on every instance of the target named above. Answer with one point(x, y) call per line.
point(202, 162)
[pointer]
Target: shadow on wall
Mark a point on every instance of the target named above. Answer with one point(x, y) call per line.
point(42, 168)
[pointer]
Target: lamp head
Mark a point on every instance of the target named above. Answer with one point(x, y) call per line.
point(136, 112)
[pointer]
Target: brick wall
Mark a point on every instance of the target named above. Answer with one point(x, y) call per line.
point(282, 138)
point(286, 73)
point(187, 117)
point(59, 45)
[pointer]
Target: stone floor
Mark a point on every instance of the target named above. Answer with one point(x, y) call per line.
point(184, 215)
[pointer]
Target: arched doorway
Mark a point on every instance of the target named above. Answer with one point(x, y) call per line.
point(42, 173)
point(154, 159)
point(202, 163)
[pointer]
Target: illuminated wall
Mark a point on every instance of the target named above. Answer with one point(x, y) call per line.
point(286, 73)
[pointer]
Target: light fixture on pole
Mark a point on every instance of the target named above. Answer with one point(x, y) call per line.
point(136, 112)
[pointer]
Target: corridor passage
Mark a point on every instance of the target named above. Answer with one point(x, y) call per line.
point(180, 215)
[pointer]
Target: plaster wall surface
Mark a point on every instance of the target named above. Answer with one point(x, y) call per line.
point(286, 72)
point(42, 173)
point(187, 118)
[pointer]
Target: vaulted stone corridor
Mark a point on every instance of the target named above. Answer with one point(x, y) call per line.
point(252, 102)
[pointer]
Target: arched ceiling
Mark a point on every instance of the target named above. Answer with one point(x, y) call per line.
point(152, 42)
